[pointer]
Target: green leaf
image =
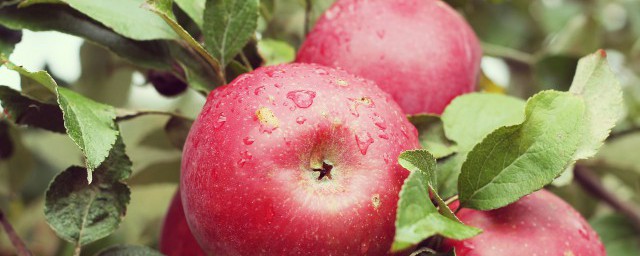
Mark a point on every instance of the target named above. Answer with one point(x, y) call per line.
point(23, 110)
point(8, 40)
point(89, 124)
point(45, 17)
point(514, 161)
point(82, 213)
point(16, 161)
point(126, 17)
point(193, 8)
point(276, 52)
point(421, 160)
point(617, 234)
point(129, 250)
point(582, 35)
point(469, 118)
point(198, 76)
point(432, 136)
point(117, 166)
point(228, 26)
point(597, 85)
point(418, 219)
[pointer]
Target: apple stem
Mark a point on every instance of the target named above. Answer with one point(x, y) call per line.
point(591, 183)
point(21, 248)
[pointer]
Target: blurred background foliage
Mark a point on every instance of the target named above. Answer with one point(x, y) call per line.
point(528, 45)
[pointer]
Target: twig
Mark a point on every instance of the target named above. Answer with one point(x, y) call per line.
point(508, 53)
point(125, 114)
point(590, 182)
point(307, 16)
point(21, 248)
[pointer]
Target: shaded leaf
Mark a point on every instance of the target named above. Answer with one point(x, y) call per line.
point(198, 76)
point(16, 161)
point(177, 129)
point(82, 213)
point(228, 26)
point(23, 110)
point(161, 172)
point(6, 143)
point(193, 8)
point(129, 250)
point(431, 135)
point(8, 40)
point(617, 234)
point(44, 17)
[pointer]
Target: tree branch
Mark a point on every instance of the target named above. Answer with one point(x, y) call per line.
point(21, 248)
point(307, 16)
point(591, 183)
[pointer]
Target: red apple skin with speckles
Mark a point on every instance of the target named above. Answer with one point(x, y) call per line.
point(422, 52)
point(176, 238)
point(537, 224)
point(252, 163)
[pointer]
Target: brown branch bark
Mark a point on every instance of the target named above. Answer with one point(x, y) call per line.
point(591, 183)
point(21, 248)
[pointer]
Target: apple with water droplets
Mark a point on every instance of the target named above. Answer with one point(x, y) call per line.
point(537, 224)
point(422, 52)
point(295, 159)
point(176, 238)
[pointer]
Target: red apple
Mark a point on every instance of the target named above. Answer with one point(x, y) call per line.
point(176, 238)
point(537, 224)
point(422, 52)
point(295, 159)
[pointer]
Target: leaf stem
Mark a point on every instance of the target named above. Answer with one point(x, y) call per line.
point(591, 183)
point(246, 61)
point(21, 248)
point(451, 200)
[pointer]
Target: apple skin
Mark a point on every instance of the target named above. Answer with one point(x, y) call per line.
point(537, 224)
point(422, 52)
point(248, 180)
point(176, 238)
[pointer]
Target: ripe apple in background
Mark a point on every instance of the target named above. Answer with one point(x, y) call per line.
point(176, 238)
point(537, 224)
point(295, 159)
point(422, 52)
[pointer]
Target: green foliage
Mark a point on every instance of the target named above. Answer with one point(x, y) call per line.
point(618, 236)
point(23, 110)
point(8, 39)
point(228, 26)
point(275, 52)
point(129, 250)
point(431, 135)
point(417, 218)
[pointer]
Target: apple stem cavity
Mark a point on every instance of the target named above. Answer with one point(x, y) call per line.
point(325, 171)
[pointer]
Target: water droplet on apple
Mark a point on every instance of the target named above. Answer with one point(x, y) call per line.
point(380, 33)
point(302, 98)
point(404, 131)
point(245, 156)
point(383, 136)
point(219, 121)
point(378, 121)
point(386, 158)
point(363, 139)
point(277, 85)
point(355, 104)
point(258, 90)
point(332, 12)
point(583, 232)
point(248, 140)
point(300, 120)
point(364, 247)
point(321, 72)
